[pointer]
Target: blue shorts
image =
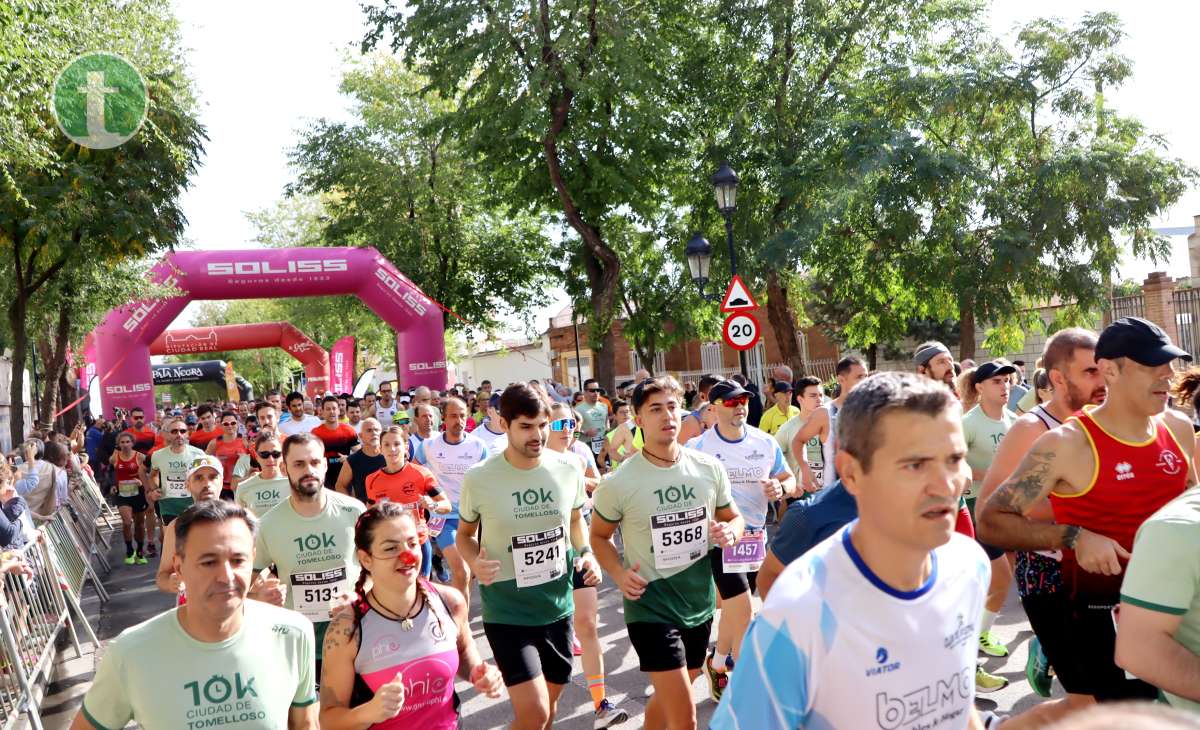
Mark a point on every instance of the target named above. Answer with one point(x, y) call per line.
point(446, 537)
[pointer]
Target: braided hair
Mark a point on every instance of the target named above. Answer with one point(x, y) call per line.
point(364, 534)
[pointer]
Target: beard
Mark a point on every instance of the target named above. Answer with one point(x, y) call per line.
point(1077, 397)
point(307, 486)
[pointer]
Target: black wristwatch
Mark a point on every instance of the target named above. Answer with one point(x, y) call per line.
point(1071, 536)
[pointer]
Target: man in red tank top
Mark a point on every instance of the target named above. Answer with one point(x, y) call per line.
point(1104, 471)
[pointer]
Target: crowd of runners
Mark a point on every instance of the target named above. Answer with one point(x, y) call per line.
point(322, 553)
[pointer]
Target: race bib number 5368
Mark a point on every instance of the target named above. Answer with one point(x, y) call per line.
point(679, 538)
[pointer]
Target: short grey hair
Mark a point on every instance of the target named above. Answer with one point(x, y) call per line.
point(878, 395)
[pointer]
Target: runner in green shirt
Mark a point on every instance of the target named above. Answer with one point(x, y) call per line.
point(985, 391)
point(1158, 635)
point(527, 500)
point(269, 486)
point(218, 660)
point(672, 505)
point(168, 470)
point(309, 537)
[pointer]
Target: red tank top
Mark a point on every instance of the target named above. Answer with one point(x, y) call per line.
point(128, 482)
point(1130, 482)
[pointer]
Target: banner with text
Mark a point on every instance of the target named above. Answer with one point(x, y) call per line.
point(342, 358)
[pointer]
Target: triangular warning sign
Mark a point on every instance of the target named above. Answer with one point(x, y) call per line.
point(737, 297)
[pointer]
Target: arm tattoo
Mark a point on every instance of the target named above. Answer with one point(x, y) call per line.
point(1028, 485)
point(1070, 536)
point(339, 633)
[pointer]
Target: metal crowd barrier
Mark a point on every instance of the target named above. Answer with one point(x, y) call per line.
point(33, 611)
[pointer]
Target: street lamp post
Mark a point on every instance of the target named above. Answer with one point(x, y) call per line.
point(725, 182)
point(698, 250)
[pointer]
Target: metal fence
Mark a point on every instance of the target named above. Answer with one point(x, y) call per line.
point(1187, 319)
point(36, 608)
point(1131, 306)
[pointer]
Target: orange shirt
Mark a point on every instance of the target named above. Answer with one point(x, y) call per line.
point(228, 452)
point(405, 488)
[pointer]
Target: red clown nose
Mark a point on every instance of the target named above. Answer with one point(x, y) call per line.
point(409, 559)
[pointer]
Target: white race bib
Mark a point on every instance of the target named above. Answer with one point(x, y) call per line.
point(312, 593)
point(539, 557)
point(435, 525)
point(679, 538)
point(128, 487)
point(173, 489)
point(818, 472)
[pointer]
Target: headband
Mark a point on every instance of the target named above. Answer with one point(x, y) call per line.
point(927, 353)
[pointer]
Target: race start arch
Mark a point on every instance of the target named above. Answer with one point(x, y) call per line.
point(229, 337)
point(124, 337)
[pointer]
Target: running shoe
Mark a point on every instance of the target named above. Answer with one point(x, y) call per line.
point(141, 560)
point(717, 681)
point(440, 571)
point(985, 682)
point(1037, 669)
point(129, 559)
point(608, 715)
point(151, 550)
point(990, 645)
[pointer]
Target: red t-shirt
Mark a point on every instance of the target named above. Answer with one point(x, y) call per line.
point(200, 439)
point(228, 453)
point(404, 487)
point(338, 441)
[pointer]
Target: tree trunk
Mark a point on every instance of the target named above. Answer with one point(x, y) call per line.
point(20, 355)
point(966, 340)
point(55, 359)
point(783, 321)
point(872, 357)
point(67, 393)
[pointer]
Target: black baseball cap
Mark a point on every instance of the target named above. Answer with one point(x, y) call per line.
point(725, 389)
point(991, 370)
point(782, 386)
point(1139, 340)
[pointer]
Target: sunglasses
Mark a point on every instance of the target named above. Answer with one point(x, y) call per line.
point(593, 390)
point(563, 424)
point(229, 423)
point(741, 400)
point(139, 418)
point(270, 454)
point(178, 430)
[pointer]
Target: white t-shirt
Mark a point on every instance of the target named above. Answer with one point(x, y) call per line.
point(292, 427)
point(384, 413)
point(484, 434)
point(449, 462)
point(756, 455)
point(834, 646)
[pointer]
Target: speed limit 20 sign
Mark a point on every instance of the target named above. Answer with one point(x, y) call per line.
point(741, 331)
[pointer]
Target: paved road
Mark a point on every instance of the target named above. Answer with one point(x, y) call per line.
point(134, 599)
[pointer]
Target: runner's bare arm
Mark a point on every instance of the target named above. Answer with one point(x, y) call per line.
point(1147, 648)
point(337, 677)
point(343, 481)
point(816, 425)
point(1013, 447)
point(1002, 519)
point(166, 578)
point(730, 516)
point(466, 541)
point(689, 429)
point(304, 718)
point(621, 438)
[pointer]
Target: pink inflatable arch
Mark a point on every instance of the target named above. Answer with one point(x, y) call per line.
point(229, 337)
point(124, 337)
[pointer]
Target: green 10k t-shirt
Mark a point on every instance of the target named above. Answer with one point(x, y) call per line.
point(260, 495)
point(664, 514)
point(158, 675)
point(172, 477)
point(525, 521)
point(315, 555)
